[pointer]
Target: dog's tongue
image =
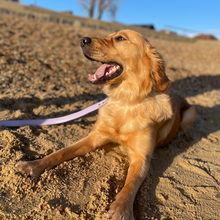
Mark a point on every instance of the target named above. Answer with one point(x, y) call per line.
point(100, 71)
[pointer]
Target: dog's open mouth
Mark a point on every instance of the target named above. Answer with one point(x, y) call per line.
point(105, 72)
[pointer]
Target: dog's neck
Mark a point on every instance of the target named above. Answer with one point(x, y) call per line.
point(127, 93)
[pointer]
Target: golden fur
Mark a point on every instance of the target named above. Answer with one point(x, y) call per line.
point(141, 113)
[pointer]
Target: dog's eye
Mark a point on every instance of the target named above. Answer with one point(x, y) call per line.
point(119, 38)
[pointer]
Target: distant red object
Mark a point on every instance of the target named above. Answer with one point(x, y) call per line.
point(205, 37)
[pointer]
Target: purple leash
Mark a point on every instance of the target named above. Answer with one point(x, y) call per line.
point(53, 121)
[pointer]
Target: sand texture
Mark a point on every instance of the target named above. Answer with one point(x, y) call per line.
point(44, 75)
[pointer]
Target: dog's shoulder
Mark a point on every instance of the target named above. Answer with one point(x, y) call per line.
point(160, 107)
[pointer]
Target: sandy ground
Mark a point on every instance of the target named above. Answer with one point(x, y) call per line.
point(44, 74)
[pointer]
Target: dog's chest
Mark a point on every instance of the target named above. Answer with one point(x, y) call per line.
point(124, 120)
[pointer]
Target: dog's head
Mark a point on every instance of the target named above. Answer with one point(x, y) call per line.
point(126, 57)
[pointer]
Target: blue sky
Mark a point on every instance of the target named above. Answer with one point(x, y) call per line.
point(197, 15)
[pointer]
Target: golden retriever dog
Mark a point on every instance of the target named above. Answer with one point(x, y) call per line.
point(141, 113)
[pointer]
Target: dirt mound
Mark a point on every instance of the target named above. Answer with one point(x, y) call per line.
point(44, 74)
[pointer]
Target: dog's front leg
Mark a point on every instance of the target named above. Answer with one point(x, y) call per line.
point(140, 152)
point(36, 167)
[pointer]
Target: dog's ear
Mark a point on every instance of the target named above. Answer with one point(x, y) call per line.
point(160, 79)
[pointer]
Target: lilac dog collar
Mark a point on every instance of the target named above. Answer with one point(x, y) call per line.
point(53, 121)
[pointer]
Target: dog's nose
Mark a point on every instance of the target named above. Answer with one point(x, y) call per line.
point(85, 41)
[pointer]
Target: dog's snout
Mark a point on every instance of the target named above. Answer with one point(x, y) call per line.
point(85, 41)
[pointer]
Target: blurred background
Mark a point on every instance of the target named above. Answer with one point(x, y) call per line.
point(186, 18)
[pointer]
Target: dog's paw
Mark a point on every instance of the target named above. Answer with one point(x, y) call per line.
point(30, 168)
point(120, 211)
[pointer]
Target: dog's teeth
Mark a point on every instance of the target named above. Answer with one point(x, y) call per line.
point(107, 73)
point(114, 68)
point(95, 78)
